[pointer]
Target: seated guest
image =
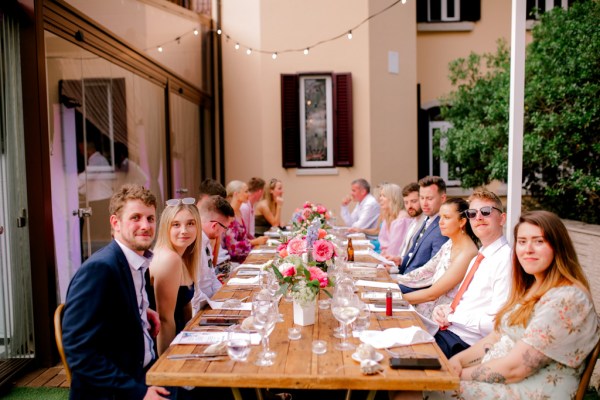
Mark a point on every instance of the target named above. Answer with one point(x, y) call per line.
point(394, 220)
point(546, 329)
point(216, 215)
point(366, 211)
point(173, 268)
point(268, 210)
point(256, 188)
point(235, 240)
point(107, 325)
point(485, 288)
point(444, 272)
point(211, 187)
point(428, 241)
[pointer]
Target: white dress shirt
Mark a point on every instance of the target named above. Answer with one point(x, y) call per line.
point(412, 231)
point(138, 266)
point(207, 283)
point(474, 316)
point(364, 215)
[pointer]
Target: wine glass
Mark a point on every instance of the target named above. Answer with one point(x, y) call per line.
point(264, 318)
point(345, 308)
point(364, 318)
point(346, 286)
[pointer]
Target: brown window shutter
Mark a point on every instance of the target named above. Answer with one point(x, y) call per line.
point(342, 120)
point(290, 121)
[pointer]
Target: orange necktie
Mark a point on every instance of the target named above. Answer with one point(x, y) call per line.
point(466, 282)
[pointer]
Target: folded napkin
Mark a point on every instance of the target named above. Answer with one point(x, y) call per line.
point(263, 251)
point(245, 281)
point(202, 337)
point(396, 337)
point(221, 305)
point(357, 242)
point(272, 234)
point(254, 266)
point(377, 284)
point(273, 242)
point(356, 235)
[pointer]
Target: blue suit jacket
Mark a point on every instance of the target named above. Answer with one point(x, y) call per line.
point(428, 246)
point(102, 329)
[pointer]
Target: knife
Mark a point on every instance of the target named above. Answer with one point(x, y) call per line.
point(195, 355)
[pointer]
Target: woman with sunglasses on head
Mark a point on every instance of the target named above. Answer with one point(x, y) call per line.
point(173, 267)
point(441, 276)
point(268, 210)
point(546, 329)
point(235, 239)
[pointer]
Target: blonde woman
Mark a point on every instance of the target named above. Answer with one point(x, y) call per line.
point(235, 239)
point(268, 210)
point(394, 219)
point(173, 267)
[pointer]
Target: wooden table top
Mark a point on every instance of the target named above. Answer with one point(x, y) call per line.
point(296, 367)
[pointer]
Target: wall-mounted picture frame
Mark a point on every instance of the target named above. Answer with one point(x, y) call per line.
point(316, 121)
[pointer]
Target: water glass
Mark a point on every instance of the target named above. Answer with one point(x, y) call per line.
point(238, 346)
point(319, 346)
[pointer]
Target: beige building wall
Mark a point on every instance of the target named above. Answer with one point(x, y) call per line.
point(383, 102)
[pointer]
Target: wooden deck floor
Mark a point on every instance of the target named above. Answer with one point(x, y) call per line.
point(47, 377)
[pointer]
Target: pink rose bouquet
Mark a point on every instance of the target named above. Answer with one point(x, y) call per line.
point(304, 282)
point(323, 250)
point(305, 215)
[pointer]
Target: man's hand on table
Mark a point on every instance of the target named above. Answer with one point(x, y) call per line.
point(396, 259)
point(154, 321)
point(155, 392)
point(440, 315)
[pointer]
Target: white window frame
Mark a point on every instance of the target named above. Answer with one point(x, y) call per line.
point(444, 13)
point(442, 126)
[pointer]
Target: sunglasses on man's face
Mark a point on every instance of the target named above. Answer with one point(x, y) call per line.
point(486, 211)
point(186, 200)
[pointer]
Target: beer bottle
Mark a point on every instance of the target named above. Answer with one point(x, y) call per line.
point(350, 250)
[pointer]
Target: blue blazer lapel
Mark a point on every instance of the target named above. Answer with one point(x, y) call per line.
point(427, 232)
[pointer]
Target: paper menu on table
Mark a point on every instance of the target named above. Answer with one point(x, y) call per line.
point(202, 337)
point(244, 281)
point(381, 285)
point(379, 257)
point(379, 295)
point(263, 251)
point(218, 305)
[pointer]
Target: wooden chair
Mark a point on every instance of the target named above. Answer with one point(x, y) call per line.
point(590, 363)
point(58, 314)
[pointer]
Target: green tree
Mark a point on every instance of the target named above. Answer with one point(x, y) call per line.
point(561, 159)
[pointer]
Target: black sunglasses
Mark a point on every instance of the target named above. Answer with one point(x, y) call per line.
point(486, 211)
point(220, 224)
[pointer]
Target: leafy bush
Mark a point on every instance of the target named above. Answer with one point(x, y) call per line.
point(561, 150)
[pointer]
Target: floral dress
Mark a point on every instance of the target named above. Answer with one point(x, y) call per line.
point(564, 327)
point(236, 241)
point(427, 275)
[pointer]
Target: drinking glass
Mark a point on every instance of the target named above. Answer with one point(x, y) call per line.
point(238, 346)
point(364, 318)
point(345, 286)
point(345, 308)
point(264, 319)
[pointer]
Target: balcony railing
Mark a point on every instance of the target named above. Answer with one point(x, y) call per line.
point(200, 6)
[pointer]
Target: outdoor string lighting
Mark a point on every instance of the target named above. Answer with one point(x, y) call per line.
point(275, 53)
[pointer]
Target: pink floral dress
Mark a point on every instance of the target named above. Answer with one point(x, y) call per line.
point(564, 327)
point(235, 241)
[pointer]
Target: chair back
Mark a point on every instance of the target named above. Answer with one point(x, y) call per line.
point(590, 363)
point(58, 314)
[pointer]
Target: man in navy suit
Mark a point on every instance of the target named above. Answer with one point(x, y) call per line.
point(428, 240)
point(107, 325)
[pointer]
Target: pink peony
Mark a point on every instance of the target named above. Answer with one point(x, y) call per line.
point(281, 246)
point(287, 269)
point(322, 250)
point(283, 252)
point(306, 213)
point(296, 246)
point(321, 210)
point(322, 233)
point(307, 204)
point(318, 274)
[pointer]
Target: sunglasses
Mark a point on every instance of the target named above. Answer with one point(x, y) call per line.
point(486, 211)
point(186, 200)
point(220, 224)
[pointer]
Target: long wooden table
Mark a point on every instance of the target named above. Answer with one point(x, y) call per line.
point(296, 367)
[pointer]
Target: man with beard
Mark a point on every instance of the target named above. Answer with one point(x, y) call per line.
point(107, 325)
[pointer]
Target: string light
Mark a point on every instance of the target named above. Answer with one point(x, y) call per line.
point(275, 53)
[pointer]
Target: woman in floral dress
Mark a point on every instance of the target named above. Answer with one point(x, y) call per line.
point(235, 239)
point(441, 276)
point(546, 329)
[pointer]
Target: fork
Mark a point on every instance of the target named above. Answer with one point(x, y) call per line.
point(384, 317)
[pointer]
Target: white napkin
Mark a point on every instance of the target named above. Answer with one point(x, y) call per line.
point(272, 234)
point(263, 251)
point(201, 337)
point(396, 337)
point(218, 305)
point(273, 242)
point(254, 266)
point(379, 257)
point(356, 235)
point(377, 284)
point(359, 242)
point(245, 281)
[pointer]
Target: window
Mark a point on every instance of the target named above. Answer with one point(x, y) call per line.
point(537, 7)
point(316, 120)
point(448, 10)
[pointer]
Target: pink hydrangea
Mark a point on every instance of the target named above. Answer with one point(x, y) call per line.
point(322, 250)
point(318, 274)
point(287, 269)
point(296, 246)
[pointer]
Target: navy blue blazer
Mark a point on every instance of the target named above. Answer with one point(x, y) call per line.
point(102, 329)
point(428, 246)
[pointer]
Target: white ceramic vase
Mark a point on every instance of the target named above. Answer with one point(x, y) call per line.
point(306, 315)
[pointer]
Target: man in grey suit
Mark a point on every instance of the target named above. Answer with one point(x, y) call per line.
point(428, 240)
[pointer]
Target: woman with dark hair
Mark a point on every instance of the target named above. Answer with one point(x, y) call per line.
point(440, 278)
point(545, 330)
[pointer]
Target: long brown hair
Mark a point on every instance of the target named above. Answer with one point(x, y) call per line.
point(563, 270)
point(268, 195)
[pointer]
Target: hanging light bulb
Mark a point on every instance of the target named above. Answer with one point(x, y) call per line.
point(274, 56)
point(349, 35)
point(160, 49)
point(237, 46)
point(403, 1)
point(196, 32)
point(219, 31)
point(306, 51)
point(249, 51)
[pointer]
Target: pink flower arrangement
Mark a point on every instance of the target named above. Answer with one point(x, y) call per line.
point(302, 280)
point(304, 216)
point(323, 250)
